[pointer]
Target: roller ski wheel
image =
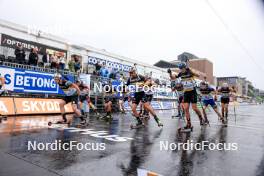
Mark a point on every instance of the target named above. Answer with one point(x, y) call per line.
point(4, 118)
point(83, 123)
point(174, 116)
point(185, 129)
point(160, 124)
point(137, 126)
point(206, 123)
point(107, 118)
point(223, 123)
point(58, 122)
point(147, 117)
point(201, 123)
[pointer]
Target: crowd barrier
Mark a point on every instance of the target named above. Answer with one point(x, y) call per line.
point(30, 106)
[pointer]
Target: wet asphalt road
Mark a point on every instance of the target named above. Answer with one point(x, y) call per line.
point(127, 150)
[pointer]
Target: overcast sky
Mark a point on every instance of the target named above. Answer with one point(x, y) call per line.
point(150, 30)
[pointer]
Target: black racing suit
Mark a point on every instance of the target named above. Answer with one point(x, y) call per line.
point(190, 94)
point(225, 94)
point(139, 94)
point(71, 95)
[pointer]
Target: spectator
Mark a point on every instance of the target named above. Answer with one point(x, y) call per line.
point(33, 57)
point(20, 54)
point(61, 63)
point(113, 73)
point(77, 64)
point(54, 61)
point(104, 71)
point(46, 59)
point(97, 68)
point(71, 65)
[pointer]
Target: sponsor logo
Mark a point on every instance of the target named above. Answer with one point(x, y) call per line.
point(95, 60)
point(93, 133)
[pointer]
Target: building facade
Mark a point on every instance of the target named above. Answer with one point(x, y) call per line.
point(203, 67)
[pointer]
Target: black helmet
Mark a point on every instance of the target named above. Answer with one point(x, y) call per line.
point(182, 65)
point(132, 70)
point(203, 84)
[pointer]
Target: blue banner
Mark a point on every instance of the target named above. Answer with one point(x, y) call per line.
point(21, 80)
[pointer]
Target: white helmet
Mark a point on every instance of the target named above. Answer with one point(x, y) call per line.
point(57, 75)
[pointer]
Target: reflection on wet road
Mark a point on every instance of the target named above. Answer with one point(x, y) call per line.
point(127, 150)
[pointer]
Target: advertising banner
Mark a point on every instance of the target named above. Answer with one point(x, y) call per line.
point(110, 64)
point(12, 42)
point(7, 106)
point(21, 80)
point(39, 106)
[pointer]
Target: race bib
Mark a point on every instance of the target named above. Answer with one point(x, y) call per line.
point(188, 85)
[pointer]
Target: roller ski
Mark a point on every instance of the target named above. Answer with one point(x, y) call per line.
point(223, 122)
point(83, 123)
point(187, 129)
point(175, 116)
point(3, 118)
point(123, 112)
point(206, 122)
point(59, 123)
point(108, 117)
point(179, 115)
point(137, 126)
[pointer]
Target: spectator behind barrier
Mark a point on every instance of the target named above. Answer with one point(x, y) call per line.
point(104, 71)
point(61, 63)
point(46, 59)
point(54, 61)
point(20, 54)
point(77, 64)
point(71, 65)
point(33, 57)
point(98, 66)
point(113, 74)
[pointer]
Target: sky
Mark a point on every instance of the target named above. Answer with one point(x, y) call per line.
point(229, 33)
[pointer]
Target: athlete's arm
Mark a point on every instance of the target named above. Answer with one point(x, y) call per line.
point(3, 82)
point(77, 88)
point(194, 74)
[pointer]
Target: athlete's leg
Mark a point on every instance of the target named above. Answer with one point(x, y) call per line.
point(223, 109)
point(62, 103)
point(217, 112)
point(149, 108)
point(141, 108)
point(226, 109)
point(198, 112)
point(187, 114)
point(76, 110)
point(204, 112)
point(134, 110)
